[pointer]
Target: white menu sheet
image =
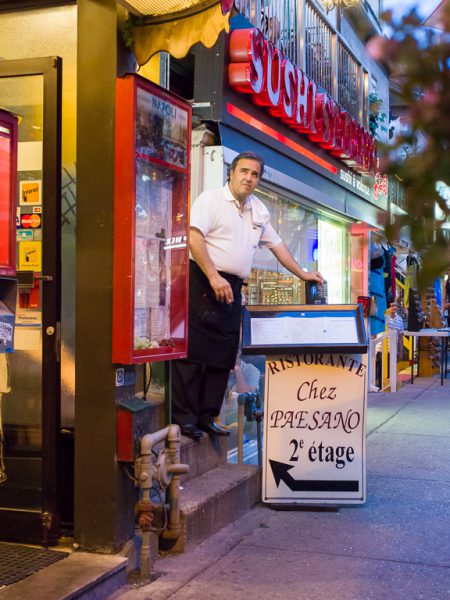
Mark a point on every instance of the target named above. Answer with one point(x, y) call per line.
point(303, 330)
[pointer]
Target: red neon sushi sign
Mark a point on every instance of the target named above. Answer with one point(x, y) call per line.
point(258, 68)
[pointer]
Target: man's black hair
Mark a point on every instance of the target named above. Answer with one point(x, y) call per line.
point(248, 156)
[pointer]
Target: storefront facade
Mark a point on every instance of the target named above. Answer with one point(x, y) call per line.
point(322, 207)
point(325, 207)
point(64, 383)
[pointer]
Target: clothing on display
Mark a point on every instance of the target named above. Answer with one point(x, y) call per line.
point(389, 280)
point(377, 288)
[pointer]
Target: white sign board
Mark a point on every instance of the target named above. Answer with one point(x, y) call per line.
point(314, 429)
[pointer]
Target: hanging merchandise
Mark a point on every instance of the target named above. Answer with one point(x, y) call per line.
point(389, 280)
point(377, 288)
point(438, 291)
point(412, 267)
point(416, 316)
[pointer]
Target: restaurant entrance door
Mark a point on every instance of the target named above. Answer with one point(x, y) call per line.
point(29, 511)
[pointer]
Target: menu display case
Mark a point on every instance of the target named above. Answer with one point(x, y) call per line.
point(332, 328)
point(151, 212)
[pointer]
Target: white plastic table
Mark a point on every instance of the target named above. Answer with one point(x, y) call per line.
point(438, 333)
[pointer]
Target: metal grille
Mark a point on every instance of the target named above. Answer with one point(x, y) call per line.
point(396, 192)
point(318, 49)
point(18, 562)
point(277, 19)
point(348, 82)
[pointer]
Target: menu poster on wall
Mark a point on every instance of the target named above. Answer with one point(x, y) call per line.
point(161, 129)
point(154, 189)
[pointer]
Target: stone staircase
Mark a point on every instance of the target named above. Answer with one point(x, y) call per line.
point(213, 493)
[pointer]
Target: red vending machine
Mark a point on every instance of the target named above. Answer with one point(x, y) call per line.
point(151, 223)
point(8, 201)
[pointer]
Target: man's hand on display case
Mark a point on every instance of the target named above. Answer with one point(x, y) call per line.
point(313, 276)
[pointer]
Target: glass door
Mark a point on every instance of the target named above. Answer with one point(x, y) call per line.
point(31, 410)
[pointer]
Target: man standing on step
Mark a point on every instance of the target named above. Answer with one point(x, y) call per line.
point(226, 227)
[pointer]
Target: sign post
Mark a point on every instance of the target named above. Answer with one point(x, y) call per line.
point(315, 402)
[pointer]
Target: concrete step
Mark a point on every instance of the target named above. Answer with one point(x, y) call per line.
point(80, 576)
point(212, 500)
point(202, 455)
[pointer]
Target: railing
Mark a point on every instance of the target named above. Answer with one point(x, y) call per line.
point(318, 49)
point(387, 341)
point(277, 20)
point(292, 25)
point(396, 192)
point(349, 77)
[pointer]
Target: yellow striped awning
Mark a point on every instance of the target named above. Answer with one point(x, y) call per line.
point(174, 26)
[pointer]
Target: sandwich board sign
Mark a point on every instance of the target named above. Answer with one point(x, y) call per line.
point(314, 424)
point(315, 402)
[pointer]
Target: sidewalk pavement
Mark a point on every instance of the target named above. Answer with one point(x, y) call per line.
point(394, 547)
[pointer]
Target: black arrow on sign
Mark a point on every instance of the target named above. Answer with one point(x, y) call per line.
point(280, 473)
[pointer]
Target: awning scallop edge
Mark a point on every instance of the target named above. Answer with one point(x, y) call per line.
point(177, 36)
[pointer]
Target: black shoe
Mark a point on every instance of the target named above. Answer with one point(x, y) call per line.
point(213, 429)
point(191, 431)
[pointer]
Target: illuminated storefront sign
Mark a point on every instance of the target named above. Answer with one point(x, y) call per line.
point(258, 68)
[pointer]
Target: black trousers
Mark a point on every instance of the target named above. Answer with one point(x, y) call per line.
point(197, 391)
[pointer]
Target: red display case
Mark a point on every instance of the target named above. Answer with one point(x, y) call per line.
point(8, 192)
point(151, 223)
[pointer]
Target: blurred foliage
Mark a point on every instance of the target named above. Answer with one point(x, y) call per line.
point(418, 58)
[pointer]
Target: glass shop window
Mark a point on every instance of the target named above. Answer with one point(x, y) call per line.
point(269, 282)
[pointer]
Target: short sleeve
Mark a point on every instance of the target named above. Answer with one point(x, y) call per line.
point(269, 237)
point(261, 218)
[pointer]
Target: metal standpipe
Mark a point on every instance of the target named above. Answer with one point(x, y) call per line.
point(166, 471)
point(249, 405)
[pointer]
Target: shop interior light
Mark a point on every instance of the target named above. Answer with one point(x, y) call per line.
point(330, 4)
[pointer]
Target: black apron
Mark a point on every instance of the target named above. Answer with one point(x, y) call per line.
point(214, 327)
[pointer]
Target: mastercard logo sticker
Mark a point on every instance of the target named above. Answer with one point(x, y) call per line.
point(31, 220)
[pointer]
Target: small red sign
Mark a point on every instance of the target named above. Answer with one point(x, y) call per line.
point(30, 220)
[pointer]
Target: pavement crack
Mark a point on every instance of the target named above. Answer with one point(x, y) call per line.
point(358, 556)
point(369, 433)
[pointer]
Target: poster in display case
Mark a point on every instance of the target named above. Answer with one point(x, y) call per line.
point(151, 212)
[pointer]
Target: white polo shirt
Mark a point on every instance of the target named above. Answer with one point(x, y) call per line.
point(231, 239)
